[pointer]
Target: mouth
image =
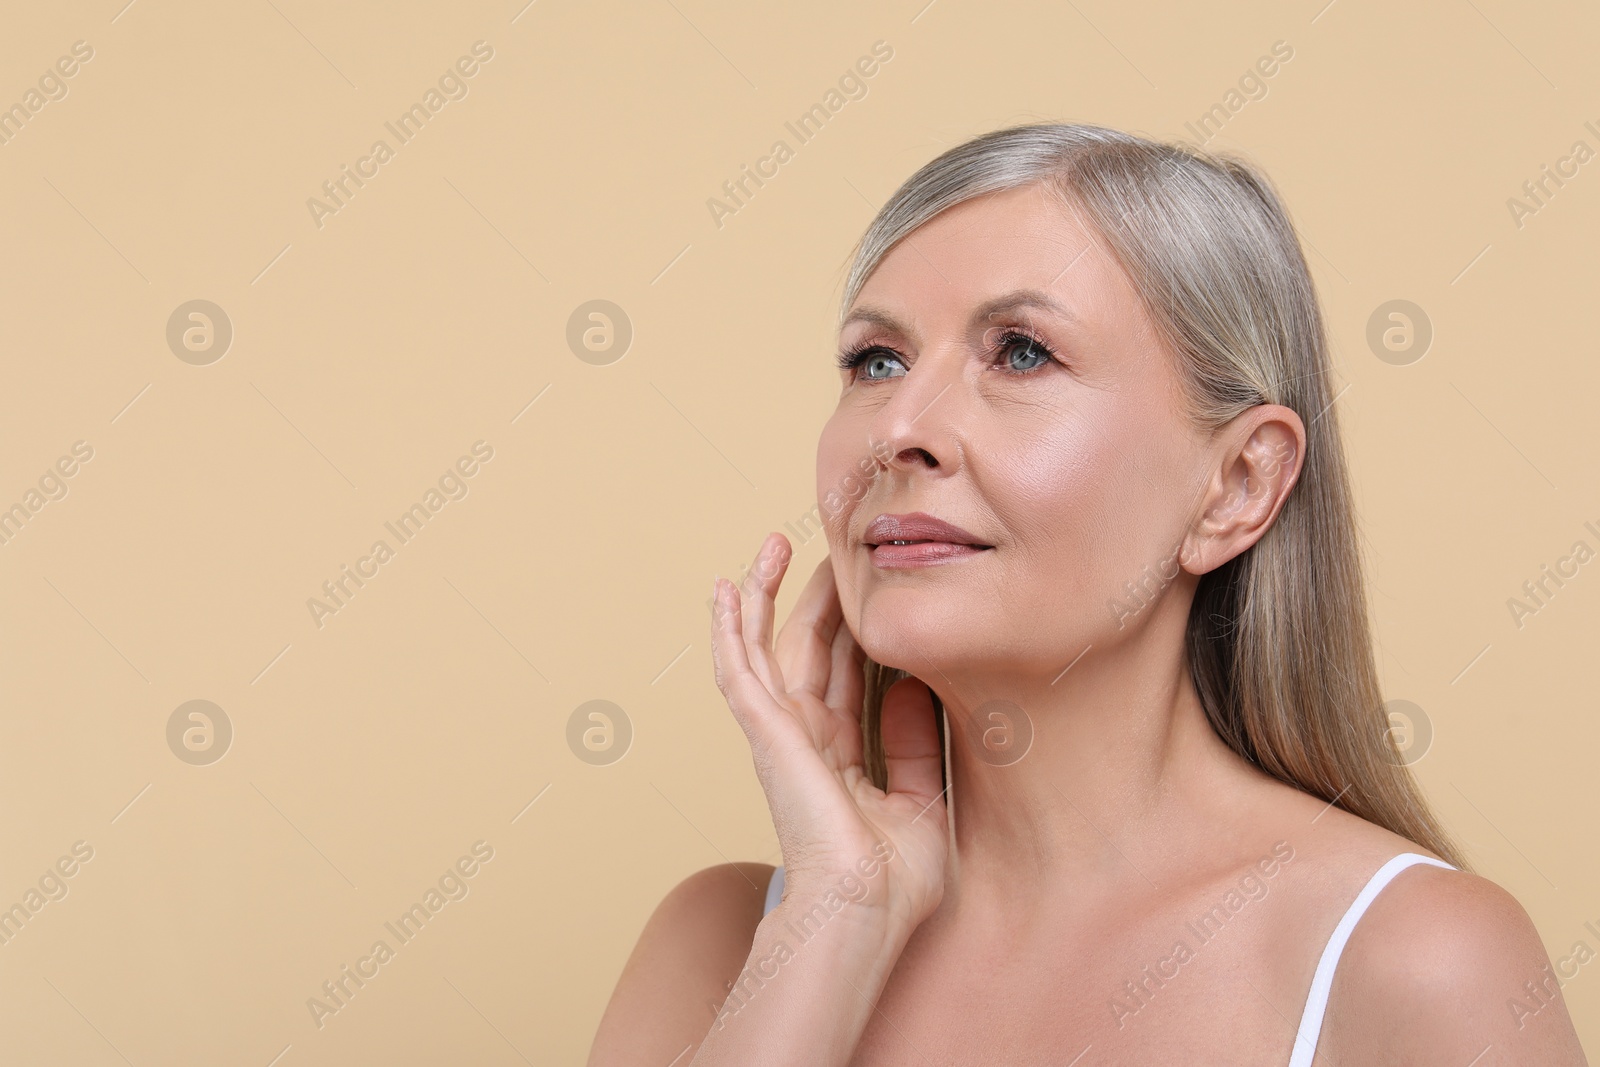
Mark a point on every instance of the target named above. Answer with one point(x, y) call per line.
point(918, 539)
point(921, 553)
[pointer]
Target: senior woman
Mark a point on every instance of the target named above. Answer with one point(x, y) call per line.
point(1074, 743)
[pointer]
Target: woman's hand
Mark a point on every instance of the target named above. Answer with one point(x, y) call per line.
point(800, 707)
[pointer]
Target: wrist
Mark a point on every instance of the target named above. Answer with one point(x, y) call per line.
point(816, 968)
point(863, 930)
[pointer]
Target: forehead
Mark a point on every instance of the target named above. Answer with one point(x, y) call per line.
point(1024, 238)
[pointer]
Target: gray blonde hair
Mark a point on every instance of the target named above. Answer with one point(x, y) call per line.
point(1278, 641)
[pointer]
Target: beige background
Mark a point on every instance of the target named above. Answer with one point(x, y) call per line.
point(368, 354)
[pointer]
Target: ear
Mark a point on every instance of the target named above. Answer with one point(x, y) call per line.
point(1260, 453)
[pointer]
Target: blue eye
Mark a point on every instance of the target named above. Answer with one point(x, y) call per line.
point(1011, 342)
point(882, 358)
point(866, 355)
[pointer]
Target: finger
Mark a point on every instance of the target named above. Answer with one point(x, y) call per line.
point(746, 695)
point(758, 603)
point(911, 740)
point(804, 645)
point(760, 586)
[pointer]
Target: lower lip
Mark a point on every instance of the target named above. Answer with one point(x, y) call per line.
point(923, 554)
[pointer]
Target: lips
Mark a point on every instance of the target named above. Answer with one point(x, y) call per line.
point(917, 527)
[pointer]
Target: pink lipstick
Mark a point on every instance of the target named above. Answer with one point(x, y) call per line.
point(918, 539)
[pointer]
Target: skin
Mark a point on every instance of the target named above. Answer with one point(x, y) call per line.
point(1013, 909)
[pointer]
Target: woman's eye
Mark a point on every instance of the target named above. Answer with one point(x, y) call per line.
point(1029, 348)
point(878, 360)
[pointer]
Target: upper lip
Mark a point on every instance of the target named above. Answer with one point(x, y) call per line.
point(916, 526)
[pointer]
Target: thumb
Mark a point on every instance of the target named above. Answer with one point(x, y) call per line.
point(910, 727)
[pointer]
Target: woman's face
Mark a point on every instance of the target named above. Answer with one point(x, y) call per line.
point(1012, 385)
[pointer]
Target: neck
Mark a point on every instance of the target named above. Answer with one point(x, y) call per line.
point(1121, 771)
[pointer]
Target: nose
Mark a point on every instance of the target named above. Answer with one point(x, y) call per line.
point(918, 427)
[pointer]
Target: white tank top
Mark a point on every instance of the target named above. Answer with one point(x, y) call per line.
point(1305, 1042)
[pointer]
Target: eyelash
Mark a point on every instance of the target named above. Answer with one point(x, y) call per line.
point(852, 359)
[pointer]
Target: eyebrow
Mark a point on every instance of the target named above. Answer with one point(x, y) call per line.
point(1031, 298)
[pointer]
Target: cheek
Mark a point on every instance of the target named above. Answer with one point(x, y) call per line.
point(1088, 504)
point(1058, 499)
point(840, 481)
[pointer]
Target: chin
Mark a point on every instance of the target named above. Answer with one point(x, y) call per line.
point(913, 640)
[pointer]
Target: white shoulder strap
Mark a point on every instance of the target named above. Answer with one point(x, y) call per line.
point(774, 890)
point(1305, 1042)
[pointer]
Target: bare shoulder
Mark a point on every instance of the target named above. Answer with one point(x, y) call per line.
point(693, 945)
point(1446, 967)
